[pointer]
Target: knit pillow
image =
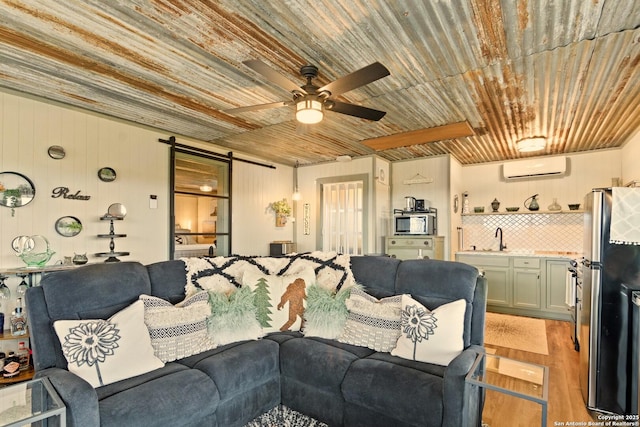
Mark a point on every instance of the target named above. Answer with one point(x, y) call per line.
point(105, 351)
point(371, 322)
point(178, 331)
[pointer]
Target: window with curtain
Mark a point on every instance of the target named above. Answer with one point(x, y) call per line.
point(342, 217)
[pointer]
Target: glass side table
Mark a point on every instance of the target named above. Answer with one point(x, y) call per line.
point(34, 401)
point(513, 377)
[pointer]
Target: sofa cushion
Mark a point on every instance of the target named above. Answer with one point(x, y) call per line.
point(431, 336)
point(411, 395)
point(94, 291)
point(371, 322)
point(312, 371)
point(280, 300)
point(436, 282)
point(233, 318)
point(378, 273)
point(239, 367)
point(181, 397)
point(178, 331)
point(106, 351)
point(168, 280)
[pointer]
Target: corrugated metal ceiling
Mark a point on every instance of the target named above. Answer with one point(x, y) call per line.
point(567, 70)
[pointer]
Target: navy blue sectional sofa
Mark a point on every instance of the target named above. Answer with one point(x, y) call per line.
point(337, 383)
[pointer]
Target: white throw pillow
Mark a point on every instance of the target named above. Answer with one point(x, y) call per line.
point(178, 331)
point(280, 300)
point(105, 351)
point(371, 322)
point(431, 336)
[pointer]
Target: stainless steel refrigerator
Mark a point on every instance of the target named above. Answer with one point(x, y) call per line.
point(610, 273)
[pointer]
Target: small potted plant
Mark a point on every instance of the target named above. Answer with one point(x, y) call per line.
point(282, 210)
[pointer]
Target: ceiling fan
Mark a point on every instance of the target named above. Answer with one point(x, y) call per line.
point(310, 100)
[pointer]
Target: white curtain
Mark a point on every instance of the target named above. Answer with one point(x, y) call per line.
point(342, 217)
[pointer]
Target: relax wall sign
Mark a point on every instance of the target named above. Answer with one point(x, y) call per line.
point(65, 193)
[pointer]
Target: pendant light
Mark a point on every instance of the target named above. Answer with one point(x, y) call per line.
point(296, 193)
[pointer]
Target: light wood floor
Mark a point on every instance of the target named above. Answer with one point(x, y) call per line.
point(565, 399)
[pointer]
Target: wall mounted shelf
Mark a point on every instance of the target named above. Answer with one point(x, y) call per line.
point(526, 213)
point(112, 255)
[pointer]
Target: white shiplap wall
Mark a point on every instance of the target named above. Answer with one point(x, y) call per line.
point(308, 177)
point(437, 192)
point(254, 188)
point(28, 126)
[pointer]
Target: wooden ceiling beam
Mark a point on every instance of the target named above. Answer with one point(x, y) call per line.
point(421, 136)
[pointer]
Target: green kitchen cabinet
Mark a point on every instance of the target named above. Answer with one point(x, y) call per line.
point(556, 285)
point(497, 271)
point(522, 285)
point(526, 282)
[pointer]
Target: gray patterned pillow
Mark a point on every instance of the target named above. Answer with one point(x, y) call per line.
point(371, 322)
point(178, 331)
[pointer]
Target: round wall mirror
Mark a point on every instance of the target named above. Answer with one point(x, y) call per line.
point(16, 190)
point(107, 174)
point(56, 152)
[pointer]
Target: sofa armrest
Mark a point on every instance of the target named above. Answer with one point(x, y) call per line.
point(79, 396)
point(462, 401)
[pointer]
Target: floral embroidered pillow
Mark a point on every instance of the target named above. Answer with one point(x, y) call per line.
point(431, 336)
point(105, 351)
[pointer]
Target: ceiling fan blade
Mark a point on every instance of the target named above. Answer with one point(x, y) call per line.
point(421, 136)
point(273, 76)
point(354, 110)
point(257, 107)
point(362, 77)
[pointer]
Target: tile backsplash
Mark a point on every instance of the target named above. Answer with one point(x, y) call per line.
point(562, 232)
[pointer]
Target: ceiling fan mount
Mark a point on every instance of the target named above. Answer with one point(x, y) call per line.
point(310, 100)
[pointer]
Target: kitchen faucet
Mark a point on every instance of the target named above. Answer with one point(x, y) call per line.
point(502, 246)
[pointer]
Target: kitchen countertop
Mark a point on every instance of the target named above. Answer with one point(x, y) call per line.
point(523, 252)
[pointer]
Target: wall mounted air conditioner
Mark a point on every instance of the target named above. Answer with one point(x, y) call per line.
point(535, 168)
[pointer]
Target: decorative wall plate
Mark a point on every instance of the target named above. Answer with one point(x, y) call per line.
point(16, 190)
point(68, 226)
point(56, 152)
point(107, 174)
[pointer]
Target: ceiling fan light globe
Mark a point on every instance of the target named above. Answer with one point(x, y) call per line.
point(528, 145)
point(309, 111)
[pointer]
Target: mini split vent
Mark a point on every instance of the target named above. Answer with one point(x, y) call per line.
point(535, 168)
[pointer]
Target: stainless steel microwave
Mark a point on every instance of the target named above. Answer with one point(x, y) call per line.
point(414, 224)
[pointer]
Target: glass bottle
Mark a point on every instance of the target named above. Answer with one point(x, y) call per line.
point(554, 206)
point(11, 366)
point(18, 320)
point(23, 356)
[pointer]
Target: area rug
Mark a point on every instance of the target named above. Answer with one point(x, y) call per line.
point(517, 332)
point(281, 416)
